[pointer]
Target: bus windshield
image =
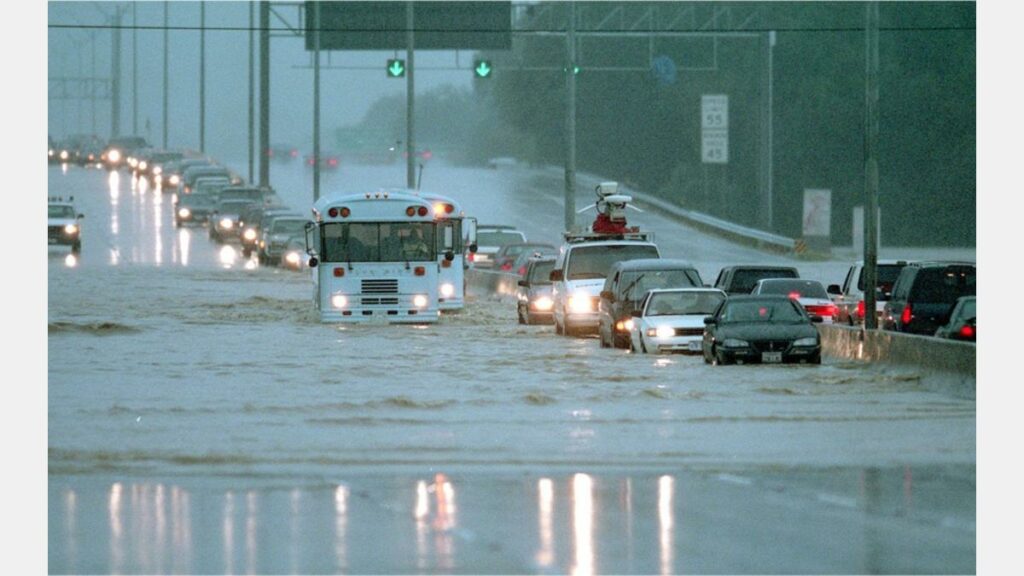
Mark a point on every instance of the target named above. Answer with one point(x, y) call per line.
point(378, 242)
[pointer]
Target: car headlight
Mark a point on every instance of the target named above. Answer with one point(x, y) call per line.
point(447, 290)
point(419, 301)
point(63, 154)
point(174, 180)
point(143, 165)
point(249, 234)
point(157, 170)
point(50, 152)
point(339, 301)
point(735, 343)
point(810, 341)
point(292, 258)
point(71, 229)
point(543, 303)
point(184, 213)
point(581, 302)
point(664, 332)
point(226, 223)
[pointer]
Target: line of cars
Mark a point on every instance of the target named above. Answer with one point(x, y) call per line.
point(619, 287)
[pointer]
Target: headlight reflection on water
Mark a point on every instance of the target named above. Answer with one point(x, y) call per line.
point(228, 255)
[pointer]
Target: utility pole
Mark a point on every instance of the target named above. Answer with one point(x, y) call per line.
point(871, 167)
point(410, 95)
point(316, 103)
point(92, 84)
point(115, 76)
point(135, 69)
point(166, 46)
point(264, 93)
point(252, 25)
point(202, 77)
point(570, 120)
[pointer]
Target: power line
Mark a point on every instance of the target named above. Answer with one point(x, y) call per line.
point(529, 31)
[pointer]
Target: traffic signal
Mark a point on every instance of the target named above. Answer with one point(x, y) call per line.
point(482, 68)
point(396, 68)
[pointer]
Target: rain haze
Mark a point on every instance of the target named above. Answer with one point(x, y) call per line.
point(294, 322)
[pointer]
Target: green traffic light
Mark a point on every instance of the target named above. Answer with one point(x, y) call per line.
point(396, 68)
point(483, 69)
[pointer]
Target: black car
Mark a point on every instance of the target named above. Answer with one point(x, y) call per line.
point(741, 279)
point(963, 321)
point(624, 289)
point(761, 329)
point(194, 209)
point(924, 295)
point(253, 221)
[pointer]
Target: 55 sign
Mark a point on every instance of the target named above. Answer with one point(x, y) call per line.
point(714, 128)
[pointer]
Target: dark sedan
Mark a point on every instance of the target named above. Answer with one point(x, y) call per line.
point(765, 329)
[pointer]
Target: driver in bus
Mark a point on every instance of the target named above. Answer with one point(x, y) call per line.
point(414, 247)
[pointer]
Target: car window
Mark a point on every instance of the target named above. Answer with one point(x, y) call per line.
point(61, 212)
point(803, 288)
point(784, 311)
point(743, 280)
point(943, 285)
point(498, 238)
point(541, 272)
point(887, 275)
point(595, 261)
point(678, 303)
point(969, 309)
point(289, 227)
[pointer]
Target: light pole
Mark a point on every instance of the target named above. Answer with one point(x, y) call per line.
point(570, 120)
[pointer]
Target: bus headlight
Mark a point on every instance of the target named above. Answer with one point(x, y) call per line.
point(581, 302)
point(447, 290)
point(419, 301)
point(339, 301)
point(71, 229)
point(543, 303)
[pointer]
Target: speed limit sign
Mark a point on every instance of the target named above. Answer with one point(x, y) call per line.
point(714, 128)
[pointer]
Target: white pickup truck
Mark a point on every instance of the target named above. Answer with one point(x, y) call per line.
point(849, 298)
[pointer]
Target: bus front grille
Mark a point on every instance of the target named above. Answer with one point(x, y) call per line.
point(383, 286)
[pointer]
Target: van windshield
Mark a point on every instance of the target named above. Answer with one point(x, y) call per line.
point(595, 261)
point(635, 284)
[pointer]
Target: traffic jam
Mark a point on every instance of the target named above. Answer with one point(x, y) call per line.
point(406, 256)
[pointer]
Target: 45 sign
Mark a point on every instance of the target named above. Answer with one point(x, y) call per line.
point(714, 128)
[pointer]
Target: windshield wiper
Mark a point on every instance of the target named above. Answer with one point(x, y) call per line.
point(629, 289)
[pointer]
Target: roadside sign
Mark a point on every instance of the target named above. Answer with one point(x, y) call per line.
point(714, 128)
point(396, 68)
point(482, 68)
point(817, 212)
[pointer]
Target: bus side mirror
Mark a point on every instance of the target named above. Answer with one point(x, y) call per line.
point(80, 216)
point(313, 262)
point(555, 276)
point(449, 255)
point(473, 247)
point(449, 243)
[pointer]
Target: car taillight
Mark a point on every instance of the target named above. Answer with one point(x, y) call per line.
point(506, 266)
point(469, 257)
point(967, 331)
point(860, 308)
point(332, 162)
point(907, 315)
point(522, 270)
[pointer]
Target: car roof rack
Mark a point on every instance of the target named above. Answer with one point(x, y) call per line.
point(576, 237)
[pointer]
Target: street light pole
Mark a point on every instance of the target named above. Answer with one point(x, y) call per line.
point(252, 23)
point(115, 76)
point(135, 70)
point(871, 167)
point(166, 60)
point(316, 103)
point(570, 121)
point(410, 94)
point(264, 93)
point(202, 77)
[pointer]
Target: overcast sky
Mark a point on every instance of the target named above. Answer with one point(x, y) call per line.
point(345, 94)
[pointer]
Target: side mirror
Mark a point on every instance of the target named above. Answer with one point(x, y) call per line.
point(834, 289)
point(637, 313)
point(817, 319)
point(608, 295)
point(313, 262)
point(81, 216)
point(449, 240)
point(709, 320)
point(524, 283)
point(555, 276)
point(449, 255)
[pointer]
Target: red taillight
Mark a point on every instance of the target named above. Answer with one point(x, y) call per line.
point(311, 161)
point(420, 271)
point(339, 272)
point(506, 266)
point(860, 308)
point(294, 153)
point(967, 331)
point(427, 155)
point(794, 295)
point(522, 270)
point(469, 257)
point(422, 211)
point(333, 162)
point(333, 212)
point(907, 315)
point(345, 212)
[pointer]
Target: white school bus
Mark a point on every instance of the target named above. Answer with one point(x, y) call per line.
point(374, 257)
point(448, 215)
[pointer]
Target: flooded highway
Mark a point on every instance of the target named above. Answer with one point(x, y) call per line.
point(202, 419)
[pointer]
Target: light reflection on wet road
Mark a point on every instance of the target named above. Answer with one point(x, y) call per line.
point(202, 420)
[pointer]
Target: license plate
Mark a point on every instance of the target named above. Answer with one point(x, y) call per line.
point(693, 346)
point(771, 357)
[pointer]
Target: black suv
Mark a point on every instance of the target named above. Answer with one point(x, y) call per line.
point(924, 295)
point(741, 279)
point(624, 289)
